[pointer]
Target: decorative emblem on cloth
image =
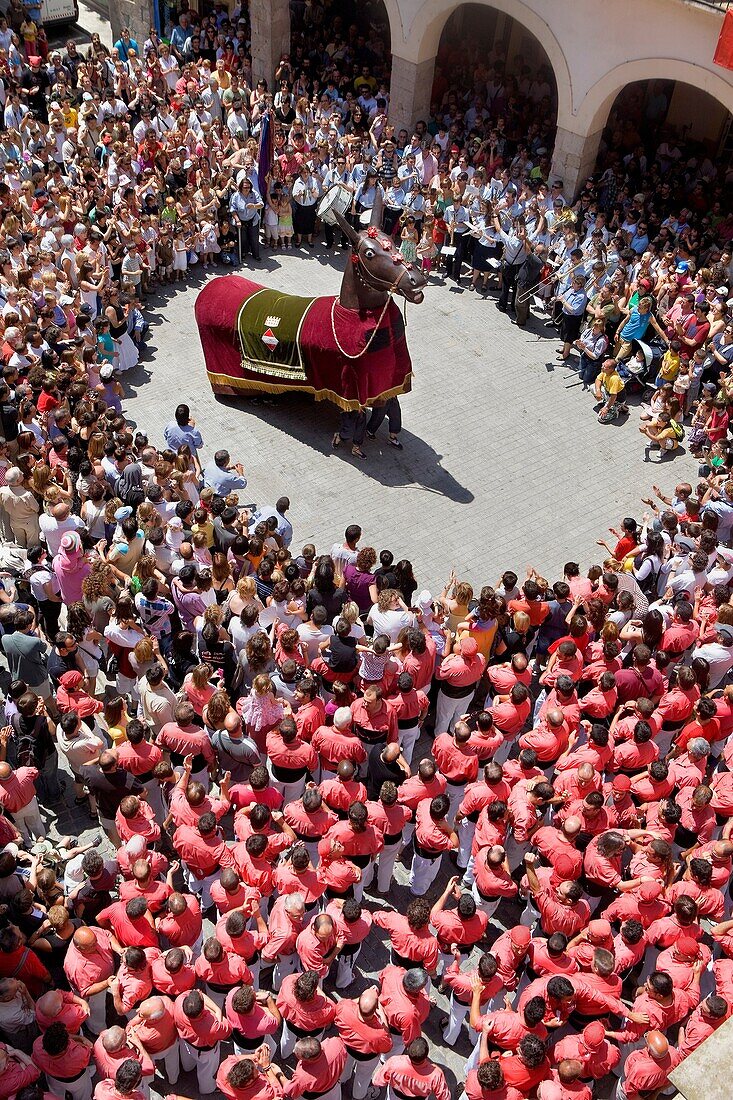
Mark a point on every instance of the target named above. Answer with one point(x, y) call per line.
point(269, 325)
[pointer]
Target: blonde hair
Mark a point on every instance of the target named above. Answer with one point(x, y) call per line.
point(200, 676)
point(246, 588)
point(199, 539)
point(350, 612)
point(262, 684)
point(144, 650)
point(521, 621)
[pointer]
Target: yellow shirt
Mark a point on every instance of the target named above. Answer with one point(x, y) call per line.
point(70, 117)
point(612, 383)
point(670, 366)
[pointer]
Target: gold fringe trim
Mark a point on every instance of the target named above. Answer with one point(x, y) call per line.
point(225, 385)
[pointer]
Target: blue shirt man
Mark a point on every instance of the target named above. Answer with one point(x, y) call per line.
point(223, 478)
point(284, 527)
point(182, 431)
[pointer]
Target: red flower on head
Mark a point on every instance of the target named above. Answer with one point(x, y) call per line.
point(372, 231)
point(354, 258)
point(386, 245)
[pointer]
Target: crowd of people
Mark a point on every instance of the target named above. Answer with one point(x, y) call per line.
point(339, 813)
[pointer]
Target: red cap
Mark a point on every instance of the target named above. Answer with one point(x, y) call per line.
point(621, 783)
point(599, 929)
point(687, 947)
point(520, 935)
point(565, 867)
point(594, 1035)
point(454, 149)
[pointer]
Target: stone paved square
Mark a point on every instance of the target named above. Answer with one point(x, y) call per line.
point(504, 462)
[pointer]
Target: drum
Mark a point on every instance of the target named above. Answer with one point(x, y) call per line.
point(336, 200)
point(365, 218)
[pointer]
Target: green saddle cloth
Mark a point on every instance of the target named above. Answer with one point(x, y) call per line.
point(269, 326)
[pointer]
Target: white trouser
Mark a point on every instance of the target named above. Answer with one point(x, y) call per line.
point(360, 1072)
point(487, 907)
point(455, 792)
point(469, 875)
point(81, 1089)
point(217, 997)
point(97, 1020)
point(466, 831)
point(155, 800)
point(291, 792)
point(423, 873)
point(345, 970)
point(407, 832)
point(268, 1039)
point(385, 865)
point(515, 851)
point(205, 1062)
point(398, 1045)
point(502, 753)
point(286, 964)
point(408, 740)
point(359, 886)
point(29, 823)
point(288, 1039)
point(448, 710)
point(531, 913)
point(458, 1013)
point(171, 1059)
point(201, 886)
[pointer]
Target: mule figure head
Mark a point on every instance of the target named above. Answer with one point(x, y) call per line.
point(378, 265)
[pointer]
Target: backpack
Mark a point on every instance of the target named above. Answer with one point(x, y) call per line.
point(132, 497)
point(678, 430)
point(649, 584)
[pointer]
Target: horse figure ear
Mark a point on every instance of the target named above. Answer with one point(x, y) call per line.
point(346, 228)
point(378, 208)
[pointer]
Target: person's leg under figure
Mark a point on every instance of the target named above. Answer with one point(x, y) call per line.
point(521, 307)
point(352, 428)
point(376, 416)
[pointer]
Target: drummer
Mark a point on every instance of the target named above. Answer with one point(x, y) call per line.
point(366, 193)
point(395, 197)
point(338, 175)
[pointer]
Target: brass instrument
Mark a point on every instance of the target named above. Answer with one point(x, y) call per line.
point(564, 218)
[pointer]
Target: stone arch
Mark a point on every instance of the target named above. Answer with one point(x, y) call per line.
point(418, 39)
point(593, 112)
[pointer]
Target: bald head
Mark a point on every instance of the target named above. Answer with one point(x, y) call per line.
point(5, 771)
point(152, 1009)
point(60, 512)
point(176, 904)
point(657, 1044)
point(555, 717)
point(51, 1003)
point(136, 846)
point(391, 753)
point(232, 722)
point(368, 1001)
point(345, 770)
point(84, 939)
point(572, 826)
point(342, 718)
point(114, 1038)
point(586, 772)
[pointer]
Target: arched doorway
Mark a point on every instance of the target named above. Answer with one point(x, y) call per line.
point(487, 52)
point(668, 122)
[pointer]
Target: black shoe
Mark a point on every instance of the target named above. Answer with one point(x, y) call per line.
point(372, 435)
point(501, 308)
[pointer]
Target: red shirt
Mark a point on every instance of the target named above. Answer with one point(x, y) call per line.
point(368, 1036)
point(458, 763)
point(205, 1030)
point(319, 1075)
point(184, 929)
point(409, 1079)
point(258, 1089)
point(405, 1014)
point(313, 1015)
point(202, 854)
point(420, 947)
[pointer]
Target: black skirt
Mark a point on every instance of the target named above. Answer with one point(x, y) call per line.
point(304, 219)
point(482, 254)
point(570, 327)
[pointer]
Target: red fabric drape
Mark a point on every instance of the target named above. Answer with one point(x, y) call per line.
point(724, 50)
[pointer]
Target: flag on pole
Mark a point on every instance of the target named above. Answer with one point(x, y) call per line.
point(724, 50)
point(265, 153)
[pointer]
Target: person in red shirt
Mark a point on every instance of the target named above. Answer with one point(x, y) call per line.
point(180, 922)
point(143, 883)
point(459, 673)
point(221, 971)
point(319, 1068)
point(487, 1083)
point(404, 1003)
point(433, 836)
point(245, 1077)
point(527, 1066)
point(303, 1004)
point(290, 759)
point(412, 1076)
point(591, 1048)
point(345, 789)
point(125, 1085)
point(647, 1070)
point(458, 762)
point(89, 967)
point(410, 705)
point(65, 1061)
point(203, 851)
point(700, 1025)
point(131, 924)
point(426, 783)
point(337, 742)
point(201, 1027)
point(413, 944)
point(60, 1006)
point(173, 972)
point(366, 1038)
point(113, 1047)
point(562, 908)
point(318, 945)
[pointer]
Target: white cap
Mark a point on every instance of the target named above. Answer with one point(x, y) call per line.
point(425, 600)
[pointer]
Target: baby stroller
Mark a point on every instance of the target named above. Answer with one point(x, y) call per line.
point(643, 365)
